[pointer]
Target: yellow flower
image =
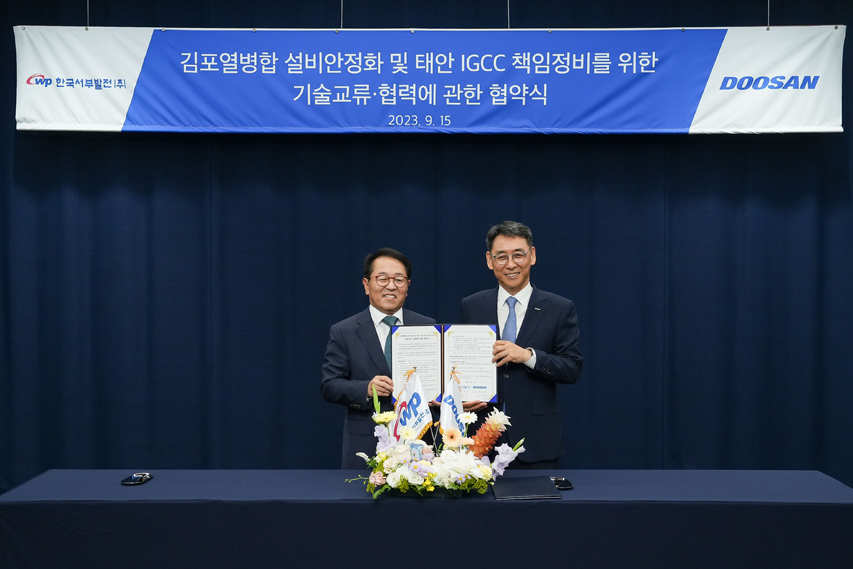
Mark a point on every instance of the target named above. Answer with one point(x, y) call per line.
point(485, 471)
point(384, 418)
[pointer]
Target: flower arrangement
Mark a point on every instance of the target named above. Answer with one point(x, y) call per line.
point(461, 463)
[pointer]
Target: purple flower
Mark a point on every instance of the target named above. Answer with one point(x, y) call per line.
point(499, 465)
point(385, 442)
point(422, 468)
point(504, 457)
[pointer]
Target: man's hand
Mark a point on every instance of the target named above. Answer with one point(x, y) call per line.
point(505, 352)
point(383, 384)
point(472, 406)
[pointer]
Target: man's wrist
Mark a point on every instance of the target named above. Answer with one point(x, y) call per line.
point(531, 361)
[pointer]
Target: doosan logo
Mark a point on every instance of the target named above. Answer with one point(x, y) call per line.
point(777, 82)
point(39, 79)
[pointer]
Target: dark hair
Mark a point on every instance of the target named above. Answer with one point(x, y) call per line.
point(509, 229)
point(386, 252)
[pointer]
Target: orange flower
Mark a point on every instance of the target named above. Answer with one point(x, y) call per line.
point(452, 437)
point(486, 437)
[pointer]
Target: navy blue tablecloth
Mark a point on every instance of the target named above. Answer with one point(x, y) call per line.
point(265, 518)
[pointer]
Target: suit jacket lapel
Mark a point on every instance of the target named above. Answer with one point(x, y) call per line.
point(367, 334)
point(408, 317)
point(489, 306)
point(532, 317)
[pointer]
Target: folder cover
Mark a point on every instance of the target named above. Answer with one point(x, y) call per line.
point(525, 488)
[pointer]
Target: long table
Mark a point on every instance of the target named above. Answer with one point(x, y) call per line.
point(313, 518)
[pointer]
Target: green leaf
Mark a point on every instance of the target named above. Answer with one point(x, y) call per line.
point(375, 400)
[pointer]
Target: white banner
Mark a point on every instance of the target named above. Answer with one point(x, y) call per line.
point(791, 84)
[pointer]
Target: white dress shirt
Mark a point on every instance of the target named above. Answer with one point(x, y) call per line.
point(382, 328)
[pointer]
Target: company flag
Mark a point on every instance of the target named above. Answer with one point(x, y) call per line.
point(451, 405)
point(412, 407)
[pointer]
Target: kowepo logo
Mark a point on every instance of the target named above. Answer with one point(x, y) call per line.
point(39, 79)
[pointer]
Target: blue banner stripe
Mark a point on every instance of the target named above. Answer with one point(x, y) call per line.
point(486, 81)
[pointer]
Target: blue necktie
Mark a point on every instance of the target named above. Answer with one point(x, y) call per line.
point(510, 331)
point(390, 321)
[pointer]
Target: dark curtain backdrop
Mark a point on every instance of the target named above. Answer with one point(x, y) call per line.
point(165, 299)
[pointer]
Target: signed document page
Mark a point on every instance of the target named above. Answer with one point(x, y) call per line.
point(417, 347)
point(468, 358)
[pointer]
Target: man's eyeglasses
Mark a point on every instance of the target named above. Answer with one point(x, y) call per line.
point(503, 258)
point(383, 280)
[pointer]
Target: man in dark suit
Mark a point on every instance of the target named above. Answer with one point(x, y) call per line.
point(538, 348)
point(358, 353)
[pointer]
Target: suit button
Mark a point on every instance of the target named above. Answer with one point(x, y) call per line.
point(506, 376)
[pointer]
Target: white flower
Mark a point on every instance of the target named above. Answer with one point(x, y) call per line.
point(408, 434)
point(456, 466)
point(401, 453)
point(413, 477)
point(468, 418)
point(389, 465)
point(362, 455)
point(498, 418)
point(442, 474)
point(393, 479)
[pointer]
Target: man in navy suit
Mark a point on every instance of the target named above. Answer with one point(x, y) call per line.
point(355, 361)
point(538, 348)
